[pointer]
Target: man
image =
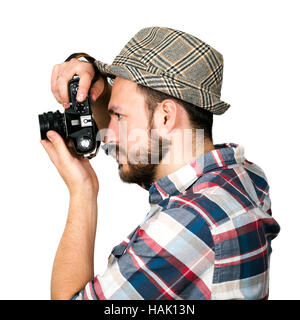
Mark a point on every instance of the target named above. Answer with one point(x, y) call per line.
point(208, 233)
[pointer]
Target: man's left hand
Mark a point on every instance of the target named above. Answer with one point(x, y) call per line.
point(77, 173)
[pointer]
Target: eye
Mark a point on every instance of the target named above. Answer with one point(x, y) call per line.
point(119, 116)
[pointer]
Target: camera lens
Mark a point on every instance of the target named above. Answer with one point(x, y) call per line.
point(52, 121)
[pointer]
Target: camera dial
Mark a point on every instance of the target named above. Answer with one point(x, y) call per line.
point(84, 143)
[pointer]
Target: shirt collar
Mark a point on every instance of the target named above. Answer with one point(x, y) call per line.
point(177, 182)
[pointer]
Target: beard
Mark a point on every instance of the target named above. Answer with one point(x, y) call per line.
point(144, 173)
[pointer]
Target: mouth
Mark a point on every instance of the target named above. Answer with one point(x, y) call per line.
point(110, 150)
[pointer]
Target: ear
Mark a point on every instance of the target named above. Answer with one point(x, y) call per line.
point(165, 116)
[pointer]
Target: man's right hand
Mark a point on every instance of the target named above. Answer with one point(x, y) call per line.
point(64, 72)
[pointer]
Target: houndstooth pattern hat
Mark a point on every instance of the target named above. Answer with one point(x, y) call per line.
point(173, 62)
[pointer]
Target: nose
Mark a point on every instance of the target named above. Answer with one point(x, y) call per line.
point(111, 135)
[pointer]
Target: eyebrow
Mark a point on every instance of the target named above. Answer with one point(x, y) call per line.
point(113, 109)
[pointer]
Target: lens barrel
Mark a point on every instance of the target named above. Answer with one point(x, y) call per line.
point(52, 121)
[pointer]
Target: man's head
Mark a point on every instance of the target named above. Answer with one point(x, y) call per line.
point(167, 81)
point(146, 126)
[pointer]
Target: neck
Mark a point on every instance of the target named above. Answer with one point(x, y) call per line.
point(174, 161)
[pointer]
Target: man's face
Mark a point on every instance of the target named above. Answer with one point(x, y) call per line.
point(129, 131)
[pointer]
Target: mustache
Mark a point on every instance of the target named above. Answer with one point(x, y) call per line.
point(157, 152)
point(112, 150)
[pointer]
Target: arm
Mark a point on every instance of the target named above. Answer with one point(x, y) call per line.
point(74, 261)
point(73, 265)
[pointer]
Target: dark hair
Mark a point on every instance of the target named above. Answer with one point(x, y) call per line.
point(199, 118)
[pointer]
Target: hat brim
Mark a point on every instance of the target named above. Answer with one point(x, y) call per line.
point(166, 83)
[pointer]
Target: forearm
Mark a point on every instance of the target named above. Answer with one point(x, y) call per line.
point(74, 261)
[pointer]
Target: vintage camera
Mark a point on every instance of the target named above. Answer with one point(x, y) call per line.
point(76, 123)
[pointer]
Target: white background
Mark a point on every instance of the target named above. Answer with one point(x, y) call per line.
point(260, 44)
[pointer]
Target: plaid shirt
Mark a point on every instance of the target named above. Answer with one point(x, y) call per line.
point(207, 236)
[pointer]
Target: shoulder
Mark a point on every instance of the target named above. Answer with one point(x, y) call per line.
point(214, 199)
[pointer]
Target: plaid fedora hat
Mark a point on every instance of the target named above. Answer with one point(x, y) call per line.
point(173, 62)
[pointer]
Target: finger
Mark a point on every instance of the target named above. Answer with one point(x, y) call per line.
point(62, 74)
point(50, 149)
point(84, 85)
point(70, 146)
point(54, 78)
point(59, 145)
point(62, 89)
point(68, 70)
point(96, 89)
point(59, 84)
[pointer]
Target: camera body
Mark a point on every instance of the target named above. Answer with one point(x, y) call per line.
point(76, 123)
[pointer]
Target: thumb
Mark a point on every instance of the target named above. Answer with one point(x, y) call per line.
point(58, 144)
